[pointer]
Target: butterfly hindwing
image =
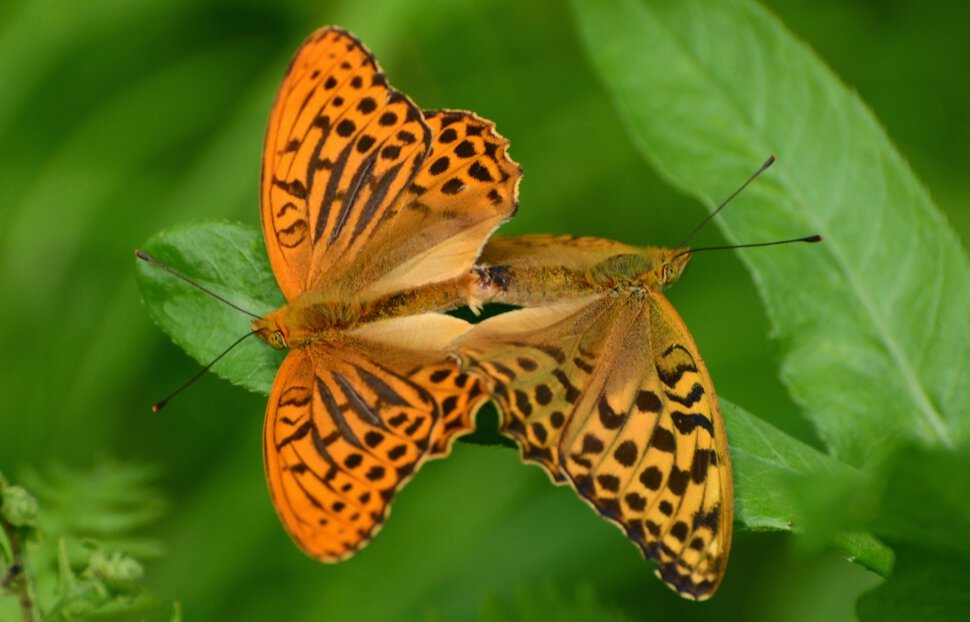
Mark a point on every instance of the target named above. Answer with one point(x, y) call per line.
point(347, 426)
point(334, 456)
point(466, 188)
point(569, 252)
point(534, 360)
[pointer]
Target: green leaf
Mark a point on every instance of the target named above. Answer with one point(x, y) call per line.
point(925, 586)
point(770, 470)
point(924, 512)
point(925, 501)
point(229, 260)
point(872, 322)
point(549, 602)
point(106, 503)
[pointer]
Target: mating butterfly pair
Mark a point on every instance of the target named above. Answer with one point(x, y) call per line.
point(376, 217)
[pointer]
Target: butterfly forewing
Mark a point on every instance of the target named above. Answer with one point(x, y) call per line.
point(697, 542)
point(340, 147)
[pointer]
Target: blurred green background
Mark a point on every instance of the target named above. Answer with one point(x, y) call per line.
point(119, 119)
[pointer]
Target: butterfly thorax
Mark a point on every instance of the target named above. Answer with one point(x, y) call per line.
point(652, 269)
point(306, 319)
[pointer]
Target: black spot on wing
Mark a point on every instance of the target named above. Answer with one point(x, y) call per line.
point(626, 453)
point(651, 478)
point(465, 149)
point(663, 440)
point(453, 186)
point(699, 466)
point(677, 481)
point(611, 419)
point(543, 395)
point(695, 394)
point(686, 423)
point(480, 173)
point(647, 401)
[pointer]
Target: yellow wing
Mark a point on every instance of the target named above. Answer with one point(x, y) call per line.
point(610, 394)
point(347, 426)
point(349, 166)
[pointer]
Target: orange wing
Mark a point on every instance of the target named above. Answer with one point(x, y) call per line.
point(349, 166)
point(340, 146)
point(346, 427)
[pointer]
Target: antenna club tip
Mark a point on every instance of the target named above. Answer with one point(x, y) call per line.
point(814, 238)
point(140, 254)
point(767, 164)
point(156, 408)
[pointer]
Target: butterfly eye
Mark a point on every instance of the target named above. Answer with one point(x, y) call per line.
point(277, 341)
point(667, 272)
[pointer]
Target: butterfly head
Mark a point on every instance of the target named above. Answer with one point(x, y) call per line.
point(272, 330)
point(672, 265)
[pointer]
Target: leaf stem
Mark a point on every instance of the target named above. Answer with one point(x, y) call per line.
point(18, 579)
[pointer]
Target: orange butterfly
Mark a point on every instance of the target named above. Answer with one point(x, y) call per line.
point(373, 214)
point(602, 385)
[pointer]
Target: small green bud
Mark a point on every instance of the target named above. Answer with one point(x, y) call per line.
point(119, 572)
point(19, 507)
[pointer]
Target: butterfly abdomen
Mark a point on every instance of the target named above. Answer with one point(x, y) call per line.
point(429, 298)
point(531, 286)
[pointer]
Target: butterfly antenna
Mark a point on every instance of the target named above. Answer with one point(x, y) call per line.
point(690, 251)
point(157, 406)
point(146, 257)
point(768, 162)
